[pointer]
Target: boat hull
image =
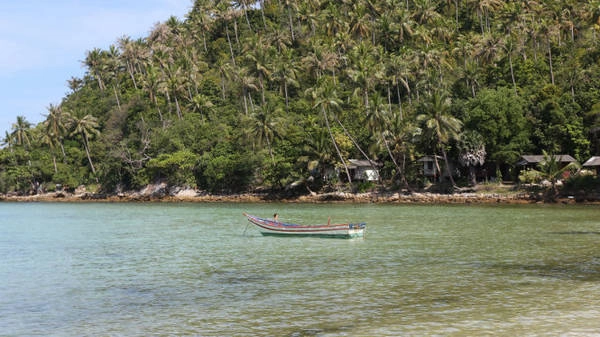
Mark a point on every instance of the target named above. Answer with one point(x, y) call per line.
point(269, 227)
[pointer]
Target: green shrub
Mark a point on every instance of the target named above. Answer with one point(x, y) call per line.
point(530, 177)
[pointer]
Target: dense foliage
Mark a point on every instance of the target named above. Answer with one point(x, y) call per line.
point(273, 94)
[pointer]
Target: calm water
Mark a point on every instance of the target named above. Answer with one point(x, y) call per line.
point(197, 270)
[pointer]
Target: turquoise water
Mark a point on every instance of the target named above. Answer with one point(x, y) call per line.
point(199, 270)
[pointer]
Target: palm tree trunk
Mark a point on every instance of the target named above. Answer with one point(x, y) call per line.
point(512, 73)
point(287, 100)
point(131, 70)
point(62, 149)
point(400, 169)
point(270, 151)
point(335, 144)
point(54, 162)
point(117, 98)
point(291, 24)
point(448, 167)
point(550, 63)
point(245, 102)
point(230, 45)
point(87, 152)
point(356, 145)
point(437, 168)
point(178, 108)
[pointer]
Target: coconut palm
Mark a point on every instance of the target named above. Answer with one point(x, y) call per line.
point(440, 125)
point(86, 127)
point(7, 141)
point(265, 126)
point(21, 132)
point(202, 17)
point(94, 61)
point(325, 96)
point(151, 83)
point(55, 128)
point(365, 70)
point(285, 72)
point(317, 148)
point(259, 56)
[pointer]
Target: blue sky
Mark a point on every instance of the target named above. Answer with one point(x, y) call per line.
point(42, 44)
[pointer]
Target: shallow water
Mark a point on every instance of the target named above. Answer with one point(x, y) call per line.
point(200, 270)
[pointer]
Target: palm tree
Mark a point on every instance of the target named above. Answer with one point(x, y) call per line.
point(7, 140)
point(551, 170)
point(224, 12)
point(472, 152)
point(365, 70)
point(325, 96)
point(113, 68)
point(291, 5)
point(202, 17)
point(259, 56)
point(319, 59)
point(425, 12)
point(55, 128)
point(21, 132)
point(360, 21)
point(285, 72)
point(265, 126)
point(151, 83)
point(132, 54)
point(377, 121)
point(174, 85)
point(440, 125)
point(86, 127)
point(247, 84)
point(317, 148)
point(94, 60)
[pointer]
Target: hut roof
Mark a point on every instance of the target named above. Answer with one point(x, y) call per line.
point(430, 158)
point(594, 161)
point(536, 159)
point(362, 163)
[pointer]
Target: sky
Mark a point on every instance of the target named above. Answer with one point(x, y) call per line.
point(43, 43)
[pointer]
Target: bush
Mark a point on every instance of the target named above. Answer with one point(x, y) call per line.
point(530, 177)
point(582, 182)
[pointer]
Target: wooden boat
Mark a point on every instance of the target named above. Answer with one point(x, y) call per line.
point(278, 228)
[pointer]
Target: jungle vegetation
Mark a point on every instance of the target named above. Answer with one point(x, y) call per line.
point(245, 95)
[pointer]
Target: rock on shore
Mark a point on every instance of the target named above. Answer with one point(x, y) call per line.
point(164, 193)
point(187, 195)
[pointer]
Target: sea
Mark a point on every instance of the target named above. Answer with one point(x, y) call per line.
point(200, 269)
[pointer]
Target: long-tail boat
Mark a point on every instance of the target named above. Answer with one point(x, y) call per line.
point(278, 228)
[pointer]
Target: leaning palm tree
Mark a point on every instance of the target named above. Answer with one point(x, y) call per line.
point(86, 127)
point(325, 97)
point(440, 125)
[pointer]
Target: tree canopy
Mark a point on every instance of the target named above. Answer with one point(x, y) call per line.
point(246, 95)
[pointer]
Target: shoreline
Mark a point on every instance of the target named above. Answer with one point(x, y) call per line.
point(335, 197)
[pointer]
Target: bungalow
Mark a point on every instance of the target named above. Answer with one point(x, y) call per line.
point(593, 164)
point(532, 161)
point(429, 168)
point(363, 170)
point(430, 171)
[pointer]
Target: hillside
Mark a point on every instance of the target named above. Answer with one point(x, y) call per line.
point(275, 95)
